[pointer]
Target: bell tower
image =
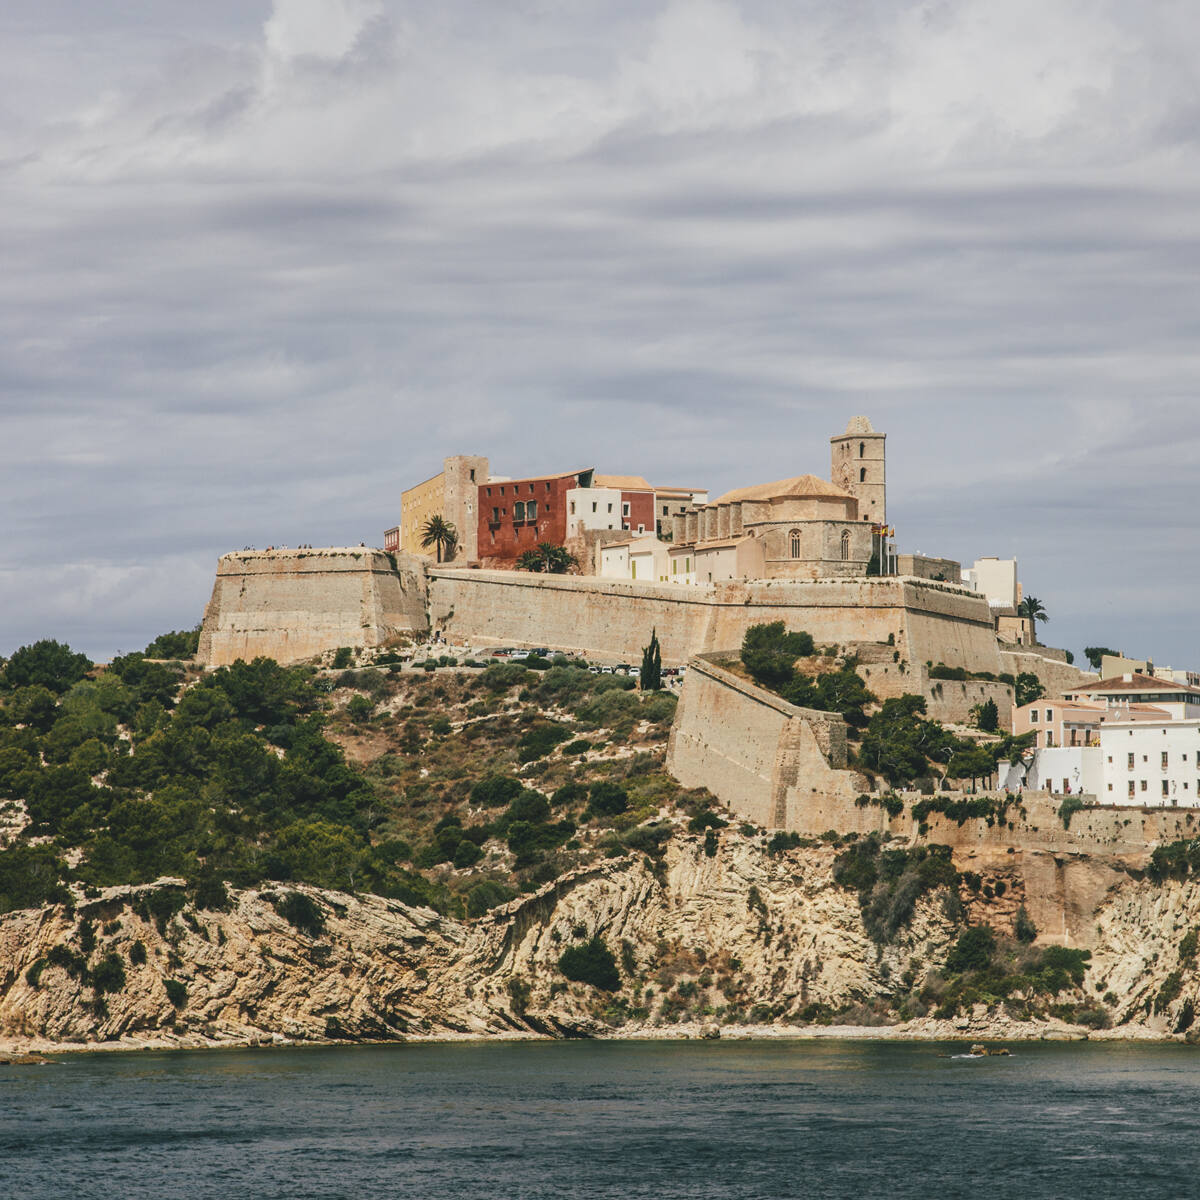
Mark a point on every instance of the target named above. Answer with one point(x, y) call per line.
point(858, 463)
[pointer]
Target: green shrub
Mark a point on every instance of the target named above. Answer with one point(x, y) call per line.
point(360, 709)
point(176, 992)
point(466, 854)
point(487, 895)
point(34, 974)
point(769, 652)
point(569, 793)
point(1188, 945)
point(1024, 929)
point(108, 975)
point(973, 951)
point(705, 818)
point(30, 877)
point(1169, 992)
point(578, 747)
point(137, 953)
point(537, 742)
point(591, 962)
point(607, 799)
point(301, 912)
point(1068, 808)
point(781, 842)
point(496, 790)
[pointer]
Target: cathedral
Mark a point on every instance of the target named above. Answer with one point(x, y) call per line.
point(804, 527)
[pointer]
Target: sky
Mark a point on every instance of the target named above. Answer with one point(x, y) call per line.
point(266, 262)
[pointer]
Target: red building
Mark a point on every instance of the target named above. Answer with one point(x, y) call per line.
point(516, 514)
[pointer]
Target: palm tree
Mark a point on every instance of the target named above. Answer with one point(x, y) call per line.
point(439, 533)
point(548, 559)
point(1031, 609)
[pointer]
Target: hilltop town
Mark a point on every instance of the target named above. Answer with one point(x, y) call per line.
point(416, 791)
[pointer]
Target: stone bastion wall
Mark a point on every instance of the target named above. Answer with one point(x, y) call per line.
point(785, 768)
point(613, 618)
point(761, 756)
point(293, 604)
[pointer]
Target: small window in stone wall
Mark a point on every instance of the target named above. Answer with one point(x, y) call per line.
point(845, 545)
point(795, 539)
point(519, 511)
point(531, 510)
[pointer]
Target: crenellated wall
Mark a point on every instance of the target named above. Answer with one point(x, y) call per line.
point(293, 604)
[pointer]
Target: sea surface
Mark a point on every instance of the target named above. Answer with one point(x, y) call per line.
point(582, 1120)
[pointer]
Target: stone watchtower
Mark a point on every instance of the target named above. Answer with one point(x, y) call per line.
point(858, 463)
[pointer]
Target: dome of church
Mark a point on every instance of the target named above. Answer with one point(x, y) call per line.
point(800, 487)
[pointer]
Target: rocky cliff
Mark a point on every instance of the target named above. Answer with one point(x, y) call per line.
point(739, 938)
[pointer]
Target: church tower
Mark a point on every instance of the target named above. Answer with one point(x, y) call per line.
point(858, 463)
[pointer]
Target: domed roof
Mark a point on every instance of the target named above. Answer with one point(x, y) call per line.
point(858, 425)
point(799, 487)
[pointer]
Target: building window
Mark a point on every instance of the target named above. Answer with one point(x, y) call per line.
point(1166, 788)
point(495, 514)
point(472, 474)
point(625, 509)
point(610, 508)
point(593, 506)
point(1131, 787)
point(572, 508)
point(1144, 788)
point(862, 475)
point(1033, 716)
point(1110, 787)
point(795, 536)
point(1164, 758)
point(531, 510)
point(519, 511)
point(1130, 764)
point(845, 545)
point(862, 449)
point(531, 487)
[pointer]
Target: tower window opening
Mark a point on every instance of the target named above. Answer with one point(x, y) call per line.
point(795, 538)
point(845, 545)
point(862, 449)
point(862, 475)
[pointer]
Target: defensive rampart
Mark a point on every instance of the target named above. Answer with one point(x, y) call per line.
point(763, 757)
point(925, 621)
point(293, 604)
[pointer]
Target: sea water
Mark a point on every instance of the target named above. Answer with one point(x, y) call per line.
point(569, 1120)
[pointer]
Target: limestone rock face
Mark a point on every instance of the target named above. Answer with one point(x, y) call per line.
point(748, 933)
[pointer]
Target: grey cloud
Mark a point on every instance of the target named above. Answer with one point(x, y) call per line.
point(246, 308)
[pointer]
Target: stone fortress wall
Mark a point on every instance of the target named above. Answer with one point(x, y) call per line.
point(785, 768)
point(294, 604)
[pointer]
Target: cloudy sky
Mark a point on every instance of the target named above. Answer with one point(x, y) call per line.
point(267, 262)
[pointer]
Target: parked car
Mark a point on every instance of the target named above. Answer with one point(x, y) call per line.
point(516, 654)
point(540, 652)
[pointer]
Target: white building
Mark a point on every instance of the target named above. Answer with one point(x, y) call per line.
point(995, 578)
point(1180, 701)
point(1062, 770)
point(593, 508)
point(682, 564)
point(642, 557)
point(1151, 762)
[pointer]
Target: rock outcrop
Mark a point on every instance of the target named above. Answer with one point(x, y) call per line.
point(760, 939)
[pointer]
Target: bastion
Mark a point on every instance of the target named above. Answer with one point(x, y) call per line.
point(290, 605)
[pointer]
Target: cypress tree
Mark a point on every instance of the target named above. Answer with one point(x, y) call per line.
point(651, 675)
